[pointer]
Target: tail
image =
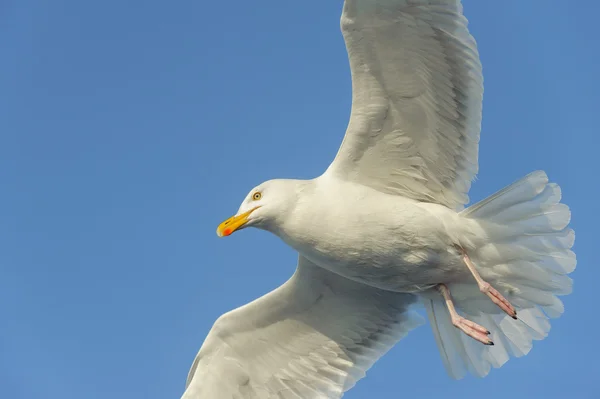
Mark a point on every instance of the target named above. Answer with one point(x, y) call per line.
point(525, 253)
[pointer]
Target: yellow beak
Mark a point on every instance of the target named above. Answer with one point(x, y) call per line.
point(233, 223)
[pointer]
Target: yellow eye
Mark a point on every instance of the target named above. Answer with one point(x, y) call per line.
point(256, 196)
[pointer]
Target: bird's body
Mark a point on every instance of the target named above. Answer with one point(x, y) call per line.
point(382, 240)
point(385, 227)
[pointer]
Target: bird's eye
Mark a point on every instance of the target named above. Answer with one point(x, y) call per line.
point(256, 196)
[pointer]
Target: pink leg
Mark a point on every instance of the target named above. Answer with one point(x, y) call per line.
point(473, 330)
point(487, 289)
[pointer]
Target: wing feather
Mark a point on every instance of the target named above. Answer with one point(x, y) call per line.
point(417, 95)
point(313, 337)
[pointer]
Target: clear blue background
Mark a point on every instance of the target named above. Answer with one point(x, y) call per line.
point(129, 130)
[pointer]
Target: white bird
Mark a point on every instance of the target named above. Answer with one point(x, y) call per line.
point(384, 228)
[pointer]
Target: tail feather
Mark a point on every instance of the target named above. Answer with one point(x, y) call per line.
point(551, 195)
point(526, 254)
point(521, 191)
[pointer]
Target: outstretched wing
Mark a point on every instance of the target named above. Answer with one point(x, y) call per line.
point(313, 337)
point(416, 101)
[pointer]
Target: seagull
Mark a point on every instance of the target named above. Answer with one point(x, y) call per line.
point(385, 229)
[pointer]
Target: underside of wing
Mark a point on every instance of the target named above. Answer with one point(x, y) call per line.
point(313, 337)
point(416, 104)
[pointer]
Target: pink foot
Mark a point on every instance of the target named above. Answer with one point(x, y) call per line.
point(498, 299)
point(470, 328)
point(473, 330)
point(487, 289)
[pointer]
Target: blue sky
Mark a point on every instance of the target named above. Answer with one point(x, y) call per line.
point(129, 130)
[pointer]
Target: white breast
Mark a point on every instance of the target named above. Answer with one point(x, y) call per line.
point(383, 240)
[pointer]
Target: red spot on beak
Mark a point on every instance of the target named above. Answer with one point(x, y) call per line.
point(227, 232)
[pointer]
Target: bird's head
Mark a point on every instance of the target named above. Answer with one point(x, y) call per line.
point(265, 206)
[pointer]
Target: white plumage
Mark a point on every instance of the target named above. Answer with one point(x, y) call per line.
point(384, 228)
